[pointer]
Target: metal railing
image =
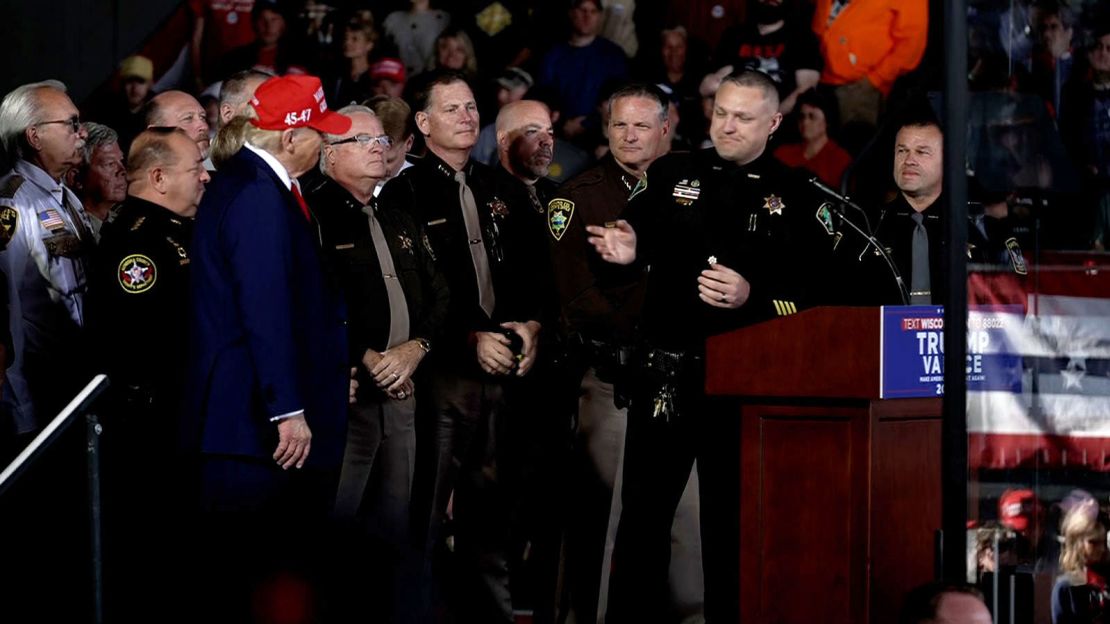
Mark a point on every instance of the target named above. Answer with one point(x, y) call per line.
point(81, 405)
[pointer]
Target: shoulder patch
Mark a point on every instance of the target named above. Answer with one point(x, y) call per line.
point(9, 220)
point(589, 177)
point(137, 274)
point(11, 187)
point(559, 213)
point(1017, 259)
point(824, 217)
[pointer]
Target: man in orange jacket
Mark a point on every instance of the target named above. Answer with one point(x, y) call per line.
point(867, 44)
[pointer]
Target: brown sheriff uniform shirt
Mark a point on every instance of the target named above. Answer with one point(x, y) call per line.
point(598, 300)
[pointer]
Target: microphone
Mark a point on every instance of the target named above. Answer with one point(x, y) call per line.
point(867, 234)
point(871, 241)
point(824, 188)
point(840, 200)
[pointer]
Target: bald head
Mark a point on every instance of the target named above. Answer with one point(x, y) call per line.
point(511, 115)
point(944, 603)
point(165, 167)
point(525, 139)
point(178, 109)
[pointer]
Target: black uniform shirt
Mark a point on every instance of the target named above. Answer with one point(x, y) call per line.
point(894, 230)
point(138, 301)
point(530, 221)
point(990, 241)
point(758, 219)
point(428, 191)
point(349, 252)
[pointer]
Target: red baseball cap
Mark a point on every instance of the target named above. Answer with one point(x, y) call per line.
point(1018, 509)
point(296, 102)
point(388, 68)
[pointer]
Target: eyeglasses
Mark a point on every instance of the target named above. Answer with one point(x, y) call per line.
point(74, 123)
point(365, 140)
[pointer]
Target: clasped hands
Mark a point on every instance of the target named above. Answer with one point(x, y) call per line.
point(392, 369)
point(496, 358)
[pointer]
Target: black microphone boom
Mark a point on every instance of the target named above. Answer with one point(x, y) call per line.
point(841, 200)
point(867, 233)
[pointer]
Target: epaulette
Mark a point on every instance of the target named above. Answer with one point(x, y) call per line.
point(11, 187)
point(589, 177)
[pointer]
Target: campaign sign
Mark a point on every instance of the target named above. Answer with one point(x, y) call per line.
point(912, 348)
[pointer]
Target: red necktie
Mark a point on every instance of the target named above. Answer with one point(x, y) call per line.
point(300, 200)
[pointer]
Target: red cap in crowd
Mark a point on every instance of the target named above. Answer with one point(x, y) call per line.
point(295, 102)
point(1018, 509)
point(388, 68)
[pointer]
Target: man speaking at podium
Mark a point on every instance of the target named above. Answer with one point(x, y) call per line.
point(732, 237)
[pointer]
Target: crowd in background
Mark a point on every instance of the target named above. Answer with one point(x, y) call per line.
point(1038, 72)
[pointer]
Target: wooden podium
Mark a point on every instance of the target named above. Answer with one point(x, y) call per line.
point(840, 490)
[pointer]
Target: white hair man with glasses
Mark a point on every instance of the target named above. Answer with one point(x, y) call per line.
point(45, 241)
point(396, 302)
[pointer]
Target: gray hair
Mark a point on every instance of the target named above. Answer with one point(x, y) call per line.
point(98, 134)
point(641, 90)
point(266, 140)
point(349, 109)
point(19, 111)
point(232, 88)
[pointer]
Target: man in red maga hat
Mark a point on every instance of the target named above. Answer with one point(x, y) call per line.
point(268, 375)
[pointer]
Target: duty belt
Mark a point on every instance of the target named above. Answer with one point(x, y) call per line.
point(601, 354)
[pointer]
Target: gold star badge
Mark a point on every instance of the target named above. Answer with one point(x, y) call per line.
point(773, 204)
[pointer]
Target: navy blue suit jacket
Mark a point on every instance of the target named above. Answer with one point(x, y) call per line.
point(268, 330)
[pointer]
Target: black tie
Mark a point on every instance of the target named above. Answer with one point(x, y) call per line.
point(532, 195)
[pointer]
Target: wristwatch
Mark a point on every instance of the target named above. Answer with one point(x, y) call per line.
point(424, 344)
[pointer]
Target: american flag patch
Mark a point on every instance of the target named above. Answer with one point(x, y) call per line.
point(51, 219)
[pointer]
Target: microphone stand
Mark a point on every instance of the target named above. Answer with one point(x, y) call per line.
point(837, 208)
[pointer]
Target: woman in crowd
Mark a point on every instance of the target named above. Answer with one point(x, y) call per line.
point(352, 81)
point(455, 50)
point(816, 153)
point(1080, 595)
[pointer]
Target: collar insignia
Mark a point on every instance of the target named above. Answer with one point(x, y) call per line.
point(641, 186)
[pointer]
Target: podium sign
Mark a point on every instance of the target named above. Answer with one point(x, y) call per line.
point(912, 351)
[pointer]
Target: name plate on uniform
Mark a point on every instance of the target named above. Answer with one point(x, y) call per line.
point(912, 350)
